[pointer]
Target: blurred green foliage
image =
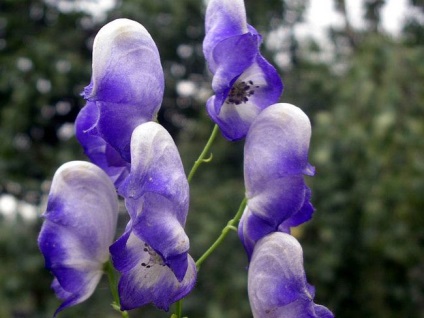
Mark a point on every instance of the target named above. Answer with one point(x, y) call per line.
point(364, 247)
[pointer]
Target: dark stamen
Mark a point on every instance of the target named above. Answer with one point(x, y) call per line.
point(240, 92)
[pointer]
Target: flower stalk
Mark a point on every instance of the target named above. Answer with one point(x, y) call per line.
point(203, 154)
point(113, 285)
point(230, 226)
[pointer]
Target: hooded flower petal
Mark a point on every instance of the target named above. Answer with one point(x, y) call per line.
point(244, 82)
point(275, 160)
point(224, 19)
point(145, 276)
point(127, 82)
point(79, 226)
point(96, 148)
point(156, 195)
point(277, 284)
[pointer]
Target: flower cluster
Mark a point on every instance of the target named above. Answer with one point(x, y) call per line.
point(278, 199)
point(136, 158)
point(246, 89)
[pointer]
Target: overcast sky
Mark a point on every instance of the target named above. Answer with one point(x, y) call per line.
point(321, 14)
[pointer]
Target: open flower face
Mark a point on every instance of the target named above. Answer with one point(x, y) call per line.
point(156, 195)
point(243, 81)
point(80, 223)
point(275, 162)
point(146, 277)
point(277, 284)
point(127, 84)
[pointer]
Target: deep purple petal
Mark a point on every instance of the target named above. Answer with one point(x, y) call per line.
point(251, 229)
point(278, 199)
point(303, 215)
point(86, 289)
point(79, 226)
point(148, 279)
point(158, 227)
point(224, 19)
point(232, 56)
point(277, 283)
point(125, 254)
point(127, 82)
point(96, 148)
point(288, 208)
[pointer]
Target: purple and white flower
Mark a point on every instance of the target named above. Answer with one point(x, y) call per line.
point(275, 162)
point(243, 81)
point(79, 226)
point(277, 284)
point(152, 255)
point(126, 90)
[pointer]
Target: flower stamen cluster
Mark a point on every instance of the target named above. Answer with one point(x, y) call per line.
point(240, 92)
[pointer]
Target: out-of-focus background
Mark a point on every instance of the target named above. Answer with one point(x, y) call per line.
point(355, 67)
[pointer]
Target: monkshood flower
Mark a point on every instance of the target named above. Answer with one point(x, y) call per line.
point(243, 81)
point(126, 89)
point(277, 284)
point(79, 226)
point(152, 255)
point(275, 162)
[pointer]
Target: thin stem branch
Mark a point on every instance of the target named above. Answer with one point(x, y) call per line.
point(110, 272)
point(197, 163)
point(229, 227)
point(205, 151)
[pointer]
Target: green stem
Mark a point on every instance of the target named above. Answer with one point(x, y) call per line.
point(205, 151)
point(229, 227)
point(110, 272)
point(179, 308)
point(197, 163)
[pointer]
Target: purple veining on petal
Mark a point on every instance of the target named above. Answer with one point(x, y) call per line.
point(80, 222)
point(127, 83)
point(277, 284)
